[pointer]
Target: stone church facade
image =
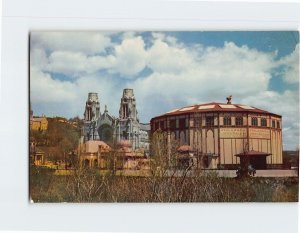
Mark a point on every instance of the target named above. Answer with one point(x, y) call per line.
point(107, 128)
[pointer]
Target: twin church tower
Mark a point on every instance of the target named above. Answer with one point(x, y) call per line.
point(112, 130)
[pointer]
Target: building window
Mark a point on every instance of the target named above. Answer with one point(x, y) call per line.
point(239, 121)
point(263, 122)
point(278, 124)
point(198, 122)
point(254, 121)
point(273, 123)
point(187, 122)
point(172, 124)
point(181, 123)
point(209, 121)
point(162, 125)
point(227, 120)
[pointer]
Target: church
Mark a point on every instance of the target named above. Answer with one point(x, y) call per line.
point(112, 130)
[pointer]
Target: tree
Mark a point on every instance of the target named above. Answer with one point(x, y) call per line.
point(168, 181)
point(58, 141)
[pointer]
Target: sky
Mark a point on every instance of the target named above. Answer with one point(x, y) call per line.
point(167, 70)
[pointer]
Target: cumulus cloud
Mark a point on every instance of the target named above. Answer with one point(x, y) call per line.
point(171, 40)
point(165, 58)
point(38, 58)
point(76, 64)
point(130, 56)
point(291, 66)
point(44, 89)
point(208, 75)
point(85, 42)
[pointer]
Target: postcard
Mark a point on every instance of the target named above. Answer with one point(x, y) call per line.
point(164, 116)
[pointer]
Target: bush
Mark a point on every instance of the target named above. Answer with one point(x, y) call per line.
point(87, 185)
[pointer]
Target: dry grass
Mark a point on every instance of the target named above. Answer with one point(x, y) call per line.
point(91, 186)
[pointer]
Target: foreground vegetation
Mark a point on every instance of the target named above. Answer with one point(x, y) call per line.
point(91, 186)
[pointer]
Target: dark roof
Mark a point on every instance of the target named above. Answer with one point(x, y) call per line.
point(252, 153)
point(216, 107)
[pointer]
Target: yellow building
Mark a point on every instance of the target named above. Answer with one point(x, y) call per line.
point(37, 156)
point(39, 123)
point(221, 133)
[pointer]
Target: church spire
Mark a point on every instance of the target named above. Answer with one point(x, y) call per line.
point(92, 107)
point(128, 105)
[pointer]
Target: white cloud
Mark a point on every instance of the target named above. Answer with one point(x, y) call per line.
point(171, 40)
point(44, 89)
point(127, 58)
point(291, 66)
point(77, 64)
point(38, 58)
point(85, 42)
point(70, 53)
point(130, 56)
point(212, 74)
point(165, 58)
point(128, 35)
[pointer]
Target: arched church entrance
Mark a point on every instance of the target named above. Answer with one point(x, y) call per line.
point(106, 133)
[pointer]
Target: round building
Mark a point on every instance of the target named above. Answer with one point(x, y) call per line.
point(221, 133)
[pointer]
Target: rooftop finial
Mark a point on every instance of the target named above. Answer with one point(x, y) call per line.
point(229, 99)
point(105, 108)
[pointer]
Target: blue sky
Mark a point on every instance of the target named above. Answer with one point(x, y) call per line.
point(166, 70)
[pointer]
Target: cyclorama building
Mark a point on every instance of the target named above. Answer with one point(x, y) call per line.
point(219, 134)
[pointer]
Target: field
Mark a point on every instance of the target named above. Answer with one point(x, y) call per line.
point(91, 186)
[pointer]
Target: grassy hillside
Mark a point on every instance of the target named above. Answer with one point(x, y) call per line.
point(60, 139)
